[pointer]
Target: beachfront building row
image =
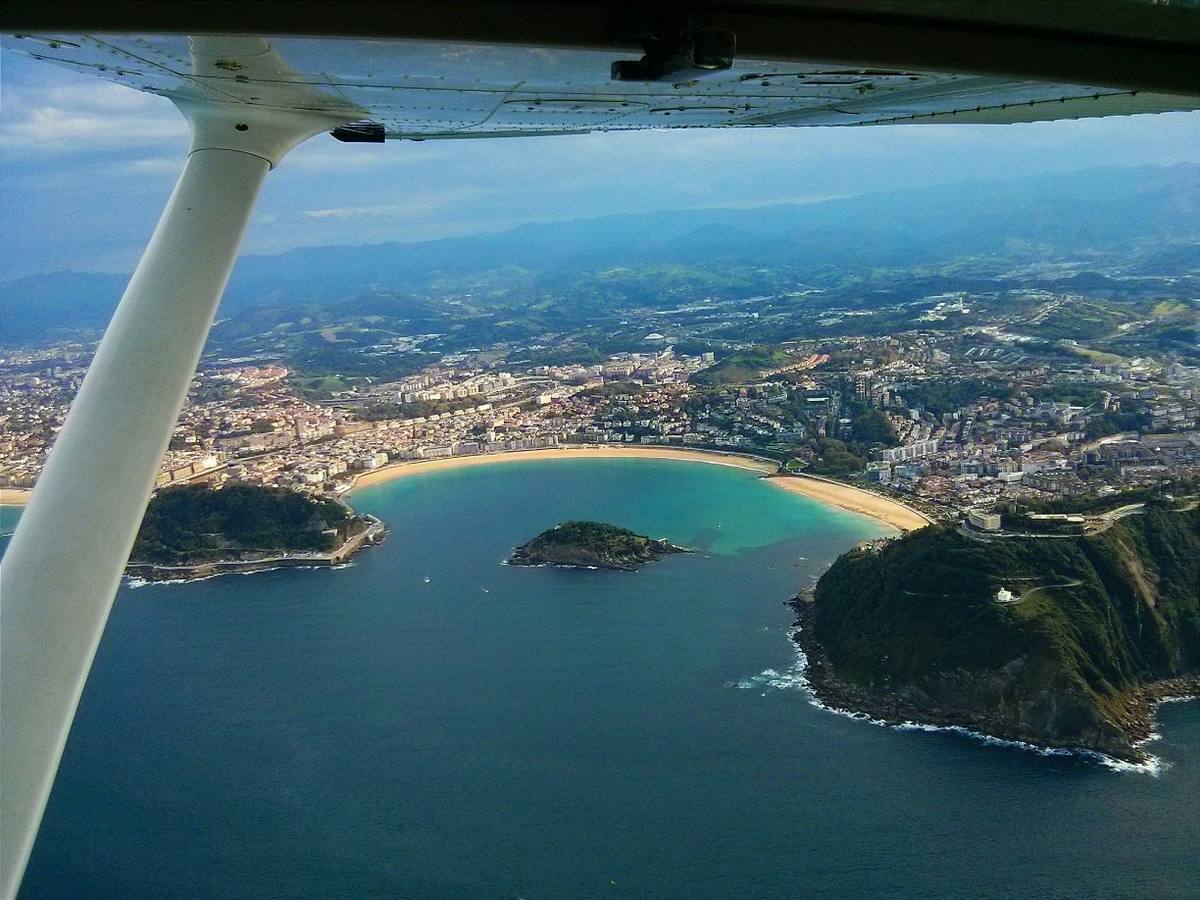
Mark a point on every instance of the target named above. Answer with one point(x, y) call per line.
point(251, 423)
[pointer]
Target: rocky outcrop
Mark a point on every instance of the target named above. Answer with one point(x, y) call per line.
point(591, 545)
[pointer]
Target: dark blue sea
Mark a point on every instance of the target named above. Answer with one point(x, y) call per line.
point(429, 723)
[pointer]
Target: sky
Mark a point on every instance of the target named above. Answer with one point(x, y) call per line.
point(86, 167)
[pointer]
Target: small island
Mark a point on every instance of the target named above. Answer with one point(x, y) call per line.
point(592, 545)
point(196, 531)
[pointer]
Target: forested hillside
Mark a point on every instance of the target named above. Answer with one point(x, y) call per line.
point(1090, 619)
point(194, 524)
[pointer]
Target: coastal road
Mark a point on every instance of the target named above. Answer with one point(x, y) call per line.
point(1075, 582)
point(1104, 521)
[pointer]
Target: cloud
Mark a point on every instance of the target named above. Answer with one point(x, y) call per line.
point(155, 165)
point(381, 211)
point(86, 118)
point(418, 205)
point(324, 154)
point(353, 212)
point(87, 165)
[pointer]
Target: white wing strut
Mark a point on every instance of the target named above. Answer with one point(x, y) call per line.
point(64, 564)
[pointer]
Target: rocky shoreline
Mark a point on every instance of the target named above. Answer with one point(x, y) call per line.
point(1142, 702)
point(1135, 722)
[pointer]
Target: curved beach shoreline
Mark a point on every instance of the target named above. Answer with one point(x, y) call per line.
point(843, 496)
point(833, 493)
point(852, 499)
point(14, 496)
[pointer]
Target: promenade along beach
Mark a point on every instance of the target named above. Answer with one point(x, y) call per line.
point(832, 493)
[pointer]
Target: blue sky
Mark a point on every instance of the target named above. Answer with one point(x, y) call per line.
point(86, 166)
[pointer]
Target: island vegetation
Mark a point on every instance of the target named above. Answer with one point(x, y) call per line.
point(197, 527)
point(592, 545)
point(1056, 641)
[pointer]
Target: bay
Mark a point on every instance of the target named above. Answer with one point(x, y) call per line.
point(430, 723)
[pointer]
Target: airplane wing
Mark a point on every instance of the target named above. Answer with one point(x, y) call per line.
point(697, 77)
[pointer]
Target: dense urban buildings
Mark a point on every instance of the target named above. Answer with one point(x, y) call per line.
point(956, 423)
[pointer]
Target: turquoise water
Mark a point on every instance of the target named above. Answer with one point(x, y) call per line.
point(512, 732)
point(9, 516)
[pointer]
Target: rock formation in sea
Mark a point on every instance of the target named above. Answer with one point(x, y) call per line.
point(591, 545)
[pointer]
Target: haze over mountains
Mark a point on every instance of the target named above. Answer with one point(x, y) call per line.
point(1022, 219)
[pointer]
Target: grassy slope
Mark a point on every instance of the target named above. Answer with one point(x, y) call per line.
point(743, 367)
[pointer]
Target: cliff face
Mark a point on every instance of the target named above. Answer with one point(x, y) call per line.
point(916, 630)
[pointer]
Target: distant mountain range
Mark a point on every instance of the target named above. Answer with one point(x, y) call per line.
point(1023, 218)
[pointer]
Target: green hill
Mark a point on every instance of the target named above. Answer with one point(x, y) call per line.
point(743, 367)
point(915, 630)
point(196, 524)
point(593, 545)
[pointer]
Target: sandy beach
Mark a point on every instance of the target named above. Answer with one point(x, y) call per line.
point(842, 496)
point(14, 496)
point(418, 467)
point(890, 512)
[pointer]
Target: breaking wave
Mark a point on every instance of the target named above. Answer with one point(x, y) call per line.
point(132, 581)
point(795, 678)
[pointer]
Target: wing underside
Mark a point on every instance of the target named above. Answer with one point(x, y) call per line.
point(421, 89)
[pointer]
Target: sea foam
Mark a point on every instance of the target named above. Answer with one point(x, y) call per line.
point(133, 581)
point(795, 677)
